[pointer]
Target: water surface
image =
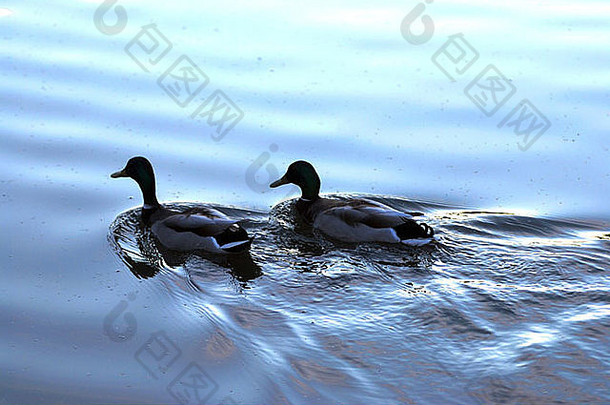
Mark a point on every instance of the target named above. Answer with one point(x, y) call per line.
point(509, 306)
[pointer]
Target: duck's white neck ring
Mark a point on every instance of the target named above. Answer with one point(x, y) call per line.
point(148, 207)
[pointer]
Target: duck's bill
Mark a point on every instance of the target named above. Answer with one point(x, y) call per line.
point(120, 173)
point(279, 182)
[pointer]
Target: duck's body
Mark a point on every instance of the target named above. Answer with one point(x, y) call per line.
point(201, 228)
point(198, 228)
point(360, 220)
point(352, 220)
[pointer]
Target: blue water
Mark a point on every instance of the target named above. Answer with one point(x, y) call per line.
point(510, 306)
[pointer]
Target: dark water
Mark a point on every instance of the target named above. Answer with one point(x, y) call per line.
point(502, 309)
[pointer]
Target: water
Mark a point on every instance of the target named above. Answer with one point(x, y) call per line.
point(509, 306)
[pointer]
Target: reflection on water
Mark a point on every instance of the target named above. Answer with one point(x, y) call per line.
point(465, 319)
point(145, 256)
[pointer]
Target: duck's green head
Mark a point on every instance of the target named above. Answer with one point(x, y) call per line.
point(141, 170)
point(304, 175)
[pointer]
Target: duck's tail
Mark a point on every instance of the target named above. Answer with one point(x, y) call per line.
point(414, 230)
point(234, 239)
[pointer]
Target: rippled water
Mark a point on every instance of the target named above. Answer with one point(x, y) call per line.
point(509, 306)
point(503, 308)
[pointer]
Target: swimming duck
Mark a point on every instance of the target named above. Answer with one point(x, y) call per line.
point(192, 229)
point(352, 220)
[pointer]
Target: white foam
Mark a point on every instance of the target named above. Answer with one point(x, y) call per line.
point(416, 242)
point(233, 244)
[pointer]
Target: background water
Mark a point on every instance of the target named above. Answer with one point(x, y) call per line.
point(511, 306)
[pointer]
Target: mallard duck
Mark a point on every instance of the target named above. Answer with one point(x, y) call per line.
point(352, 220)
point(192, 229)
